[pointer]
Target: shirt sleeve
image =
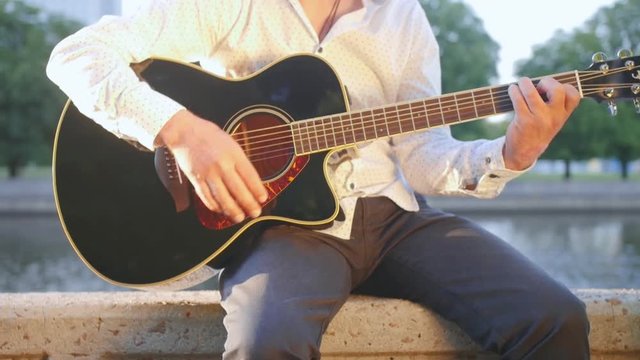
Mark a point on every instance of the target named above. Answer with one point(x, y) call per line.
point(92, 66)
point(433, 162)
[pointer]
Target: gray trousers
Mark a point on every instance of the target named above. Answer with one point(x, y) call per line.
point(281, 296)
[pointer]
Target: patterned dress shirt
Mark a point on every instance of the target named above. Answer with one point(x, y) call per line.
point(384, 53)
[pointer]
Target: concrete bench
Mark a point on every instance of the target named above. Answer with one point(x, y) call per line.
point(188, 324)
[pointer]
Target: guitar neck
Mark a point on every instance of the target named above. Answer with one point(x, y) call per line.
point(338, 130)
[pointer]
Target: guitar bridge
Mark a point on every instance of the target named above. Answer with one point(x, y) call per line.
point(172, 178)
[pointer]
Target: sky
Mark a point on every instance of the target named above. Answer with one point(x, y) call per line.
point(518, 25)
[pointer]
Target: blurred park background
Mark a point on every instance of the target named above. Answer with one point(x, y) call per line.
point(596, 157)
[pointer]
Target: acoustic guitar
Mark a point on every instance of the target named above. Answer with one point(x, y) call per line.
point(134, 219)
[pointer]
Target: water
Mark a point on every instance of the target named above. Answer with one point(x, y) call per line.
point(580, 250)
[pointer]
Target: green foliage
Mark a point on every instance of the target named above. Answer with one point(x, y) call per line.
point(591, 131)
point(29, 103)
point(469, 55)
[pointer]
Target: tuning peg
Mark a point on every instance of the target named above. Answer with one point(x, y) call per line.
point(599, 57)
point(613, 108)
point(624, 53)
point(636, 103)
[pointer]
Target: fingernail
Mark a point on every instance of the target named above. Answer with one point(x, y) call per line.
point(238, 218)
point(255, 213)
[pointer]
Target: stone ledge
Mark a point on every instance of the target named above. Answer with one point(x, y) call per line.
point(170, 325)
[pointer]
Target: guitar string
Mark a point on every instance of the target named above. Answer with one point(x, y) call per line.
point(367, 134)
point(461, 105)
point(398, 117)
point(300, 124)
point(323, 119)
point(375, 122)
point(586, 76)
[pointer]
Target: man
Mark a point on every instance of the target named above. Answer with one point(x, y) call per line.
point(280, 297)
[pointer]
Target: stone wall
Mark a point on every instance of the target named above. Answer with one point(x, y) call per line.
point(189, 324)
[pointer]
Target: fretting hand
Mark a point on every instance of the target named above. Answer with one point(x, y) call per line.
point(536, 122)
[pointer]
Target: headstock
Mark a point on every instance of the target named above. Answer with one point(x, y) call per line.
point(609, 80)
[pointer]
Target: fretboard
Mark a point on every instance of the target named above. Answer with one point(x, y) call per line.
point(325, 133)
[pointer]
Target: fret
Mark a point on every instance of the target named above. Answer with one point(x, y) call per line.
point(308, 135)
point(449, 115)
point(317, 130)
point(339, 131)
point(378, 127)
point(503, 102)
point(404, 117)
point(473, 101)
point(441, 111)
point(465, 107)
point(381, 123)
point(493, 101)
point(396, 115)
point(366, 123)
point(434, 112)
point(484, 103)
point(317, 135)
point(313, 135)
point(297, 141)
point(394, 127)
point(371, 123)
point(457, 106)
point(420, 120)
point(331, 123)
point(326, 131)
point(304, 137)
point(427, 119)
point(350, 135)
point(413, 120)
point(325, 143)
point(359, 134)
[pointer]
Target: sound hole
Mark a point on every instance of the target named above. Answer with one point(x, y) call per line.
point(267, 141)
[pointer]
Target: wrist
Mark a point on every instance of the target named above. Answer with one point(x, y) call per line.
point(174, 129)
point(520, 159)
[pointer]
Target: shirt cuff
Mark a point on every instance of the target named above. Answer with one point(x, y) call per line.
point(495, 175)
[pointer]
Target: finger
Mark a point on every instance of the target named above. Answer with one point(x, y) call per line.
point(241, 194)
point(553, 90)
point(202, 190)
point(572, 99)
point(519, 104)
point(251, 178)
point(531, 95)
point(227, 204)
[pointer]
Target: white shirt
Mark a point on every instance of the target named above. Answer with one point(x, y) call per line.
point(384, 53)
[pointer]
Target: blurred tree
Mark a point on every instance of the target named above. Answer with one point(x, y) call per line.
point(470, 56)
point(29, 103)
point(618, 27)
point(591, 132)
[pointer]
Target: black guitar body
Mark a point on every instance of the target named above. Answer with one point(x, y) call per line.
point(122, 221)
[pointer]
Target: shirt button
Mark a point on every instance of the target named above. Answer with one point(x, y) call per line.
point(487, 160)
point(352, 186)
point(493, 176)
point(320, 50)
